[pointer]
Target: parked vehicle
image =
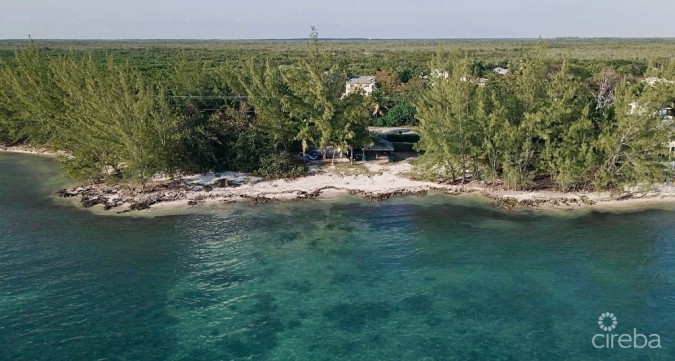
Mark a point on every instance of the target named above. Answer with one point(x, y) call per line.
point(313, 155)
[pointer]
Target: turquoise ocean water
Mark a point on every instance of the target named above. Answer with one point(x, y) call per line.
point(432, 278)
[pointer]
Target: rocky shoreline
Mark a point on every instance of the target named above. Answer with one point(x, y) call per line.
point(374, 181)
point(124, 199)
point(128, 200)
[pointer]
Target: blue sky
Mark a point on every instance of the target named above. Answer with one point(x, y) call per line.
point(260, 19)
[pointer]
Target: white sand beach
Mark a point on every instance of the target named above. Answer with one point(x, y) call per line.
point(374, 180)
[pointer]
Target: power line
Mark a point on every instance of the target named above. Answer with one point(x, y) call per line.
point(224, 97)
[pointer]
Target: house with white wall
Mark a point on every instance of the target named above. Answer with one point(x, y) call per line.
point(439, 73)
point(365, 84)
point(501, 71)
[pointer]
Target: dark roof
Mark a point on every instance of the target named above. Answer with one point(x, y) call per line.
point(380, 145)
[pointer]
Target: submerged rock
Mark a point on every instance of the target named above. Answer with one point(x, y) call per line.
point(378, 197)
point(67, 193)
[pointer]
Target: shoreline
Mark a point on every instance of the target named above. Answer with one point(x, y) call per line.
point(381, 182)
point(373, 181)
point(33, 151)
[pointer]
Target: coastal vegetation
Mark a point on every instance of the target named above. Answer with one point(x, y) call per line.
point(569, 114)
point(547, 120)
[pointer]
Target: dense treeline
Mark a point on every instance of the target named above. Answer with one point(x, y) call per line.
point(363, 55)
point(543, 120)
point(304, 102)
point(187, 111)
point(113, 123)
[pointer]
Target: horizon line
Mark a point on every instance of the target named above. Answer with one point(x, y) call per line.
point(350, 38)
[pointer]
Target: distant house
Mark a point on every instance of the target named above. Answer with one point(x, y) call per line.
point(478, 81)
point(635, 108)
point(365, 84)
point(501, 71)
point(440, 73)
point(671, 153)
point(652, 81)
point(665, 113)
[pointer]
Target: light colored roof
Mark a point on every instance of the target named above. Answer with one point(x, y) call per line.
point(653, 80)
point(362, 80)
point(391, 130)
point(440, 73)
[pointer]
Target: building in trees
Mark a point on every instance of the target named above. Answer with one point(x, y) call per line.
point(501, 71)
point(439, 73)
point(364, 84)
point(665, 113)
point(652, 81)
